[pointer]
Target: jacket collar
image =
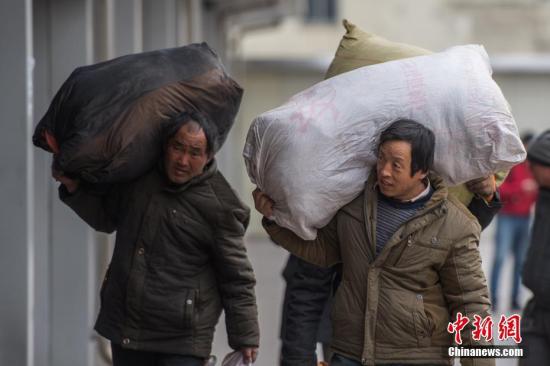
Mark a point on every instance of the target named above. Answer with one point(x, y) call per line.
point(439, 195)
point(432, 209)
point(209, 170)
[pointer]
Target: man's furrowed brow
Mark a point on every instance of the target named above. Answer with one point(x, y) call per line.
point(177, 142)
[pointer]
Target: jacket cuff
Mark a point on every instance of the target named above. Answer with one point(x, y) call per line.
point(65, 194)
point(248, 336)
point(495, 202)
point(271, 226)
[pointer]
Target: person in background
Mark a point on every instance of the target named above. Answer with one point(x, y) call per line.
point(518, 193)
point(536, 270)
point(306, 306)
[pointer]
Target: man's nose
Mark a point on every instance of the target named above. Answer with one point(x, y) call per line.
point(385, 170)
point(184, 159)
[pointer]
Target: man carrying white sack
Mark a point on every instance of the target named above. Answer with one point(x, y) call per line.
point(309, 289)
point(410, 262)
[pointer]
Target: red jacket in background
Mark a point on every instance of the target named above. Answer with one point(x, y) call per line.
point(517, 193)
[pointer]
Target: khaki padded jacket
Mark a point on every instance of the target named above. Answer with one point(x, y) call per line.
point(395, 308)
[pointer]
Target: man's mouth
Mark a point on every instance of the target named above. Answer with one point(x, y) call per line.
point(181, 171)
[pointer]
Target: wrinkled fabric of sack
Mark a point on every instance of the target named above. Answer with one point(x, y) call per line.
point(313, 154)
point(234, 359)
point(108, 119)
point(359, 48)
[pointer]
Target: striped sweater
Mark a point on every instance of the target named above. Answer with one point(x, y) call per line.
point(392, 214)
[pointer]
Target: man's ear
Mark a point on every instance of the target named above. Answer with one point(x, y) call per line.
point(210, 157)
point(422, 175)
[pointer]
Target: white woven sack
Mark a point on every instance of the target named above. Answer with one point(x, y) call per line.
point(313, 154)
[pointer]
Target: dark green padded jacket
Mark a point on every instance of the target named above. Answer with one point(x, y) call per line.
point(179, 259)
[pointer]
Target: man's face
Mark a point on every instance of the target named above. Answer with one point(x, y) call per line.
point(541, 173)
point(394, 171)
point(186, 154)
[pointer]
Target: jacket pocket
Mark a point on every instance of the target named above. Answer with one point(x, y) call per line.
point(400, 250)
point(189, 308)
point(167, 309)
point(189, 226)
point(422, 252)
point(397, 318)
point(423, 326)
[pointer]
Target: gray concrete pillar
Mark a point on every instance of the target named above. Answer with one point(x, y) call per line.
point(127, 26)
point(42, 187)
point(159, 24)
point(72, 253)
point(189, 14)
point(16, 185)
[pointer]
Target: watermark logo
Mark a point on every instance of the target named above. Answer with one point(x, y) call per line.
point(509, 327)
point(486, 352)
point(483, 328)
point(457, 327)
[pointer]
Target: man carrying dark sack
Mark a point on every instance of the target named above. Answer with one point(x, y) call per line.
point(310, 289)
point(410, 260)
point(536, 270)
point(179, 257)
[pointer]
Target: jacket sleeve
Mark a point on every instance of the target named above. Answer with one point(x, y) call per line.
point(465, 288)
point(323, 251)
point(236, 279)
point(484, 211)
point(100, 210)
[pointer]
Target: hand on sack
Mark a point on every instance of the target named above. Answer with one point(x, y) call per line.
point(485, 187)
point(249, 354)
point(70, 184)
point(263, 203)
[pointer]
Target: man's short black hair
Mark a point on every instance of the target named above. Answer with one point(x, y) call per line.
point(181, 119)
point(422, 142)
